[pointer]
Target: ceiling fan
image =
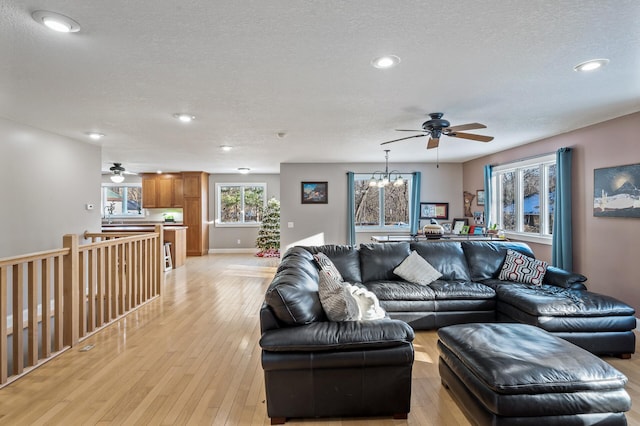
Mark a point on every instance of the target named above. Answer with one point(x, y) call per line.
point(118, 172)
point(437, 127)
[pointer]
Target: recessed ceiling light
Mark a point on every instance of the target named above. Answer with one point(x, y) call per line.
point(56, 21)
point(591, 65)
point(243, 170)
point(95, 135)
point(388, 61)
point(184, 117)
point(226, 147)
point(159, 172)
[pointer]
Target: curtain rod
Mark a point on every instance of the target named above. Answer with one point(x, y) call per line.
point(531, 157)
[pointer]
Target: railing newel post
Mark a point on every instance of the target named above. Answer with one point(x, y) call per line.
point(71, 291)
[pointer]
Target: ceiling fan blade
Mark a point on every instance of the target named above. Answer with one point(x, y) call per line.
point(433, 143)
point(469, 126)
point(408, 130)
point(479, 138)
point(401, 139)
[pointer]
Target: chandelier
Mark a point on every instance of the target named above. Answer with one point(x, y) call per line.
point(382, 179)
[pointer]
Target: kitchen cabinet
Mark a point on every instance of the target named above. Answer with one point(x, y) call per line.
point(162, 190)
point(196, 212)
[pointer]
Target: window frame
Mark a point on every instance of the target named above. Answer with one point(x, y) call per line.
point(103, 200)
point(381, 227)
point(242, 185)
point(544, 163)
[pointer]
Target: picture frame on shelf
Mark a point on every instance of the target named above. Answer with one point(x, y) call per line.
point(464, 230)
point(434, 211)
point(458, 224)
point(480, 197)
point(314, 193)
point(446, 227)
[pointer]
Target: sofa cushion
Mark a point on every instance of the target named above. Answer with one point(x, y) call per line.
point(523, 269)
point(400, 290)
point(461, 290)
point(548, 300)
point(417, 270)
point(377, 261)
point(336, 298)
point(485, 258)
point(561, 278)
point(447, 257)
point(345, 258)
point(293, 293)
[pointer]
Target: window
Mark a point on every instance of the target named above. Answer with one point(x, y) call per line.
point(524, 195)
point(386, 208)
point(121, 200)
point(240, 204)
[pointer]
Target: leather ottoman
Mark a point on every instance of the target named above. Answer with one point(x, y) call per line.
point(518, 374)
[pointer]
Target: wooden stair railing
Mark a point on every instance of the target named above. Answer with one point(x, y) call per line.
point(71, 293)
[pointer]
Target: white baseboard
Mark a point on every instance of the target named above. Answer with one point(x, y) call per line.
point(234, 251)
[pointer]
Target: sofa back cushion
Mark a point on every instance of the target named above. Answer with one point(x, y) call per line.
point(293, 293)
point(485, 258)
point(345, 258)
point(446, 257)
point(377, 261)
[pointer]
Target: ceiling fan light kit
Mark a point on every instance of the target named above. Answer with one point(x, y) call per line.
point(117, 173)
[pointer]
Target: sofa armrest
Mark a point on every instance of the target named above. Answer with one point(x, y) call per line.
point(561, 278)
point(329, 336)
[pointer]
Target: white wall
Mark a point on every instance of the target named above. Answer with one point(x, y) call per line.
point(327, 223)
point(46, 182)
point(225, 238)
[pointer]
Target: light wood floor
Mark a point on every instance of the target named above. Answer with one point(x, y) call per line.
point(192, 357)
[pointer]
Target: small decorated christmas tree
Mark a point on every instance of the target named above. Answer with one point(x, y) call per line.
point(268, 240)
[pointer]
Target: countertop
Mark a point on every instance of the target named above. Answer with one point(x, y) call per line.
point(126, 227)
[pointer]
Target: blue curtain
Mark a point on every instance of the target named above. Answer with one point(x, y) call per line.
point(562, 248)
point(414, 219)
point(351, 209)
point(487, 195)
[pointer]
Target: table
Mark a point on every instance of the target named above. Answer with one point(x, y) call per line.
point(446, 237)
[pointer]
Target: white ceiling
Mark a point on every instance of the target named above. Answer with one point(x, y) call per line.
point(249, 69)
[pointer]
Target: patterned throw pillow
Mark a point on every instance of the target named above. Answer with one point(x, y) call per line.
point(523, 269)
point(417, 270)
point(325, 264)
point(336, 298)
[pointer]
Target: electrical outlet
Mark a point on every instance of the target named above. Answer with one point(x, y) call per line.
point(238, 241)
point(290, 224)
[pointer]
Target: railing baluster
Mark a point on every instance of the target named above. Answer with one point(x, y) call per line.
point(58, 294)
point(4, 312)
point(46, 307)
point(18, 322)
point(32, 313)
point(91, 283)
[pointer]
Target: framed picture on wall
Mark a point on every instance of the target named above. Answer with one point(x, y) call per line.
point(480, 197)
point(615, 191)
point(314, 193)
point(434, 210)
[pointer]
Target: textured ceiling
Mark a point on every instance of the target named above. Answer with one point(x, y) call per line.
point(251, 69)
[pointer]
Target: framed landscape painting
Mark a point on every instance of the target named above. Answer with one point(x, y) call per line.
point(616, 191)
point(315, 193)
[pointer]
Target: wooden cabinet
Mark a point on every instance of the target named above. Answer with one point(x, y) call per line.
point(196, 212)
point(162, 190)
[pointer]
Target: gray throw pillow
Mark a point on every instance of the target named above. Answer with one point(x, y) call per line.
point(417, 270)
point(325, 264)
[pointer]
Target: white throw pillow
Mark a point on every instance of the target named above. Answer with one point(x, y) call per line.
point(368, 303)
point(417, 270)
point(336, 299)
